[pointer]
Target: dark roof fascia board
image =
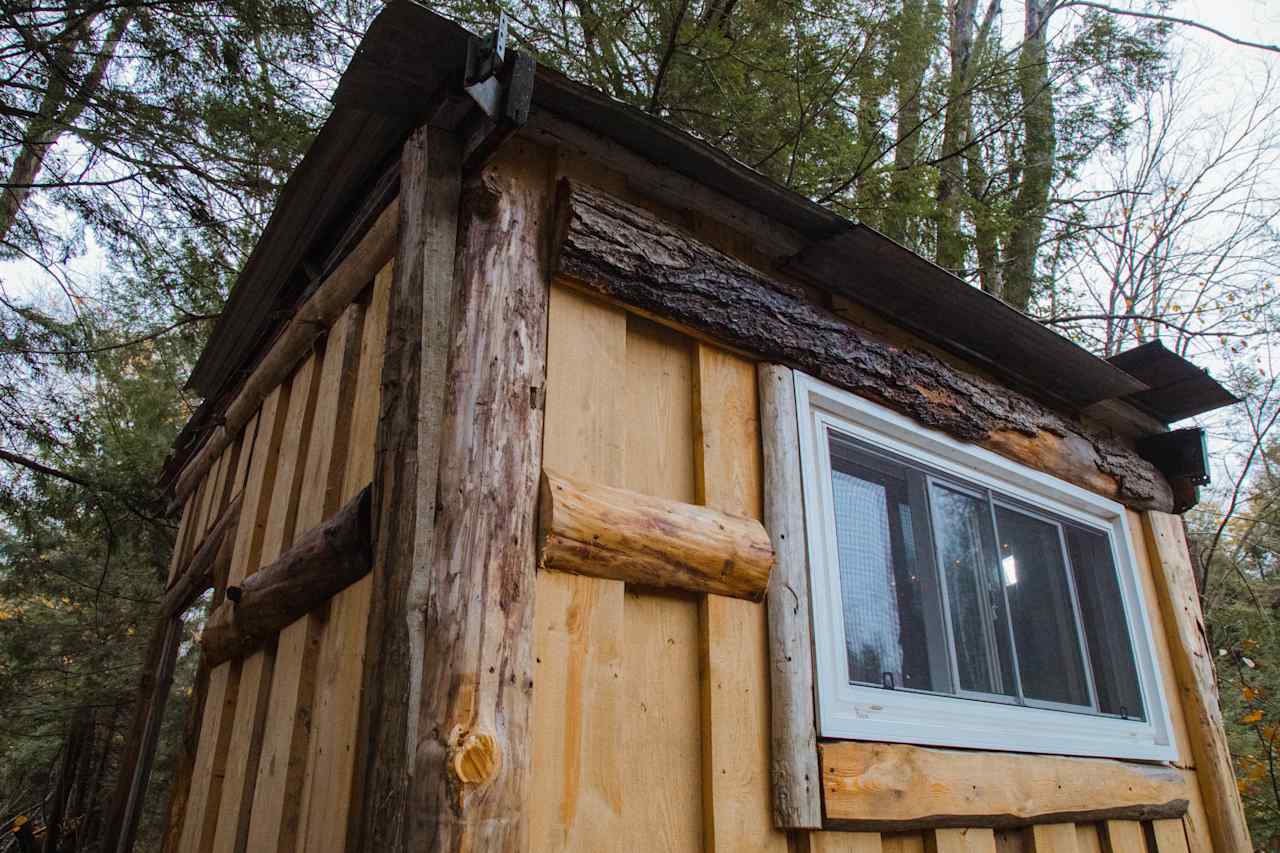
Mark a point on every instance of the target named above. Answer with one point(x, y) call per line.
point(1178, 388)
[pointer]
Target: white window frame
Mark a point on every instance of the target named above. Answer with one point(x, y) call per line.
point(862, 712)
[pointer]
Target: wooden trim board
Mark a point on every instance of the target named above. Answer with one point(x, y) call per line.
point(890, 787)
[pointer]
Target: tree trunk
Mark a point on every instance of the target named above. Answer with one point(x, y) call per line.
point(949, 250)
point(915, 40)
point(71, 748)
point(1039, 147)
point(59, 108)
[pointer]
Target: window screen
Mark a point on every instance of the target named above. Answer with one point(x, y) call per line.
point(949, 587)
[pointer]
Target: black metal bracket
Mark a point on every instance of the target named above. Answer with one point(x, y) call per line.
point(485, 59)
point(500, 82)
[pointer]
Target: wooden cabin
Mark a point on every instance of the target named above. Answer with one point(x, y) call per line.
point(565, 485)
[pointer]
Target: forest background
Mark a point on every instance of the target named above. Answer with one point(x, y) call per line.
point(1109, 168)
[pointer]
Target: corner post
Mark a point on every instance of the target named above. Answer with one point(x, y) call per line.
point(1193, 670)
point(404, 483)
point(470, 780)
point(444, 736)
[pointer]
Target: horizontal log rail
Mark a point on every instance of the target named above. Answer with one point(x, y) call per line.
point(322, 562)
point(200, 573)
point(309, 324)
point(615, 249)
point(884, 787)
point(606, 532)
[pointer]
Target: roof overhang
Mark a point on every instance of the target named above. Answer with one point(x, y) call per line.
point(411, 56)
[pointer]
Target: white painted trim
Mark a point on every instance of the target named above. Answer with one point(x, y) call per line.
point(870, 713)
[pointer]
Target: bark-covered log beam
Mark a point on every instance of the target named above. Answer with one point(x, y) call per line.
point(199, 574)
point(607, 532)
point(618, 250)
point(322, 562)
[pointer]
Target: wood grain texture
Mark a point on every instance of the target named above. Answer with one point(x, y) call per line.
point(1089, 837)
point(413, 376)
point(734, 634)
point(966, 840)
point(662, 733)
point(1123, 836)
point(618, 250)
point(278, 789)
point(578, 764)
point(887, 786)
point(794, 775)
point(308, 324)
point(1052, 838)
point(1168, 837)
point(321, 563)
point(470, 784)
point(254, 701)
point(842, 842)
point(203, 806)
point(586, 528)
point(327, 789)
point(1193, 670)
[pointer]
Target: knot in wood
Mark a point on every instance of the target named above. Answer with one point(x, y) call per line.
point(476, 759)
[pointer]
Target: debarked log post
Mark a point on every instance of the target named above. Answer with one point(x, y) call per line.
point(602, 531)
point(322, 562)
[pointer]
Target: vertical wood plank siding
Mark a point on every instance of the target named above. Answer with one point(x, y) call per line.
point(578, 697)
point(621, 718)
point(735, 637)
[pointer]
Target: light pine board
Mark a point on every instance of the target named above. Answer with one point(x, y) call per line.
point(737, 806)
point(1053, 838)
point(327, 784)
point(274, 820)
point(578, 763)
point(662, 733)
point(201, 819)
point(1169, 836)
point(256, 672)
point(1123, 836)
point(844, 842)
point(961, 841)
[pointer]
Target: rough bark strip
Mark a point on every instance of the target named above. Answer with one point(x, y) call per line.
point(470, 783)
point(627, 254)
point(404, 488)
point(796, 782)
point(1193, 670)
point(324, 561)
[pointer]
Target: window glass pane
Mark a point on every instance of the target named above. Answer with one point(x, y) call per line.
point(881, 588)
point(1115, 675)
point(962, 532)
point(1040, 609)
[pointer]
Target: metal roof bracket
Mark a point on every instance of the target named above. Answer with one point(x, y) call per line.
point(501, 84)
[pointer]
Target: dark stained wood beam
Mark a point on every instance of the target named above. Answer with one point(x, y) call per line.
point(321, 563)
point(613, 248)
point(407, 455)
